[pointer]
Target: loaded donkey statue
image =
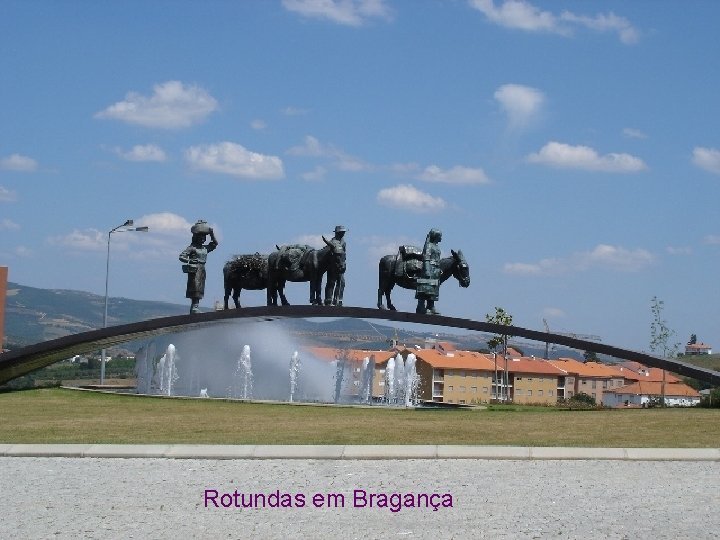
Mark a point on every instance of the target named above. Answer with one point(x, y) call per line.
point(422, 271)
point(294, 262)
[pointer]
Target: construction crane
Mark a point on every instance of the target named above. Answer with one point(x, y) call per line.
point(587, 337)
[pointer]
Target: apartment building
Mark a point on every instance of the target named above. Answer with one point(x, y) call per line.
point(591, 378)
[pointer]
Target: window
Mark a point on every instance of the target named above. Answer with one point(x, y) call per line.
point(518, 392)
point(461, 402)
point(540, 392)
point(518, 378)
point(550, 392)
point(450, 388)
point(529, 392)
point(381, 383)
point(594, 383)
point(485, 389)
point(462, 388)
point(473, 389)
point(584, 382)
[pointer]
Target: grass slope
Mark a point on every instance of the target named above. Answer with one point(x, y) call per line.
point(67, 416)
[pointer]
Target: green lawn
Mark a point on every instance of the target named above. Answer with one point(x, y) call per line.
point(68, 416)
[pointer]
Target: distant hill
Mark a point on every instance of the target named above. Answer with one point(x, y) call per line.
point(33, 315)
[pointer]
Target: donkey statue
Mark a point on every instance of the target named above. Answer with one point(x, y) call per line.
point(249, 272)
point(405, 267)
point(300, 263)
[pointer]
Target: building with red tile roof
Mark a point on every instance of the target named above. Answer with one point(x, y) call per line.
point(591, 378)
point(693, 349)
point(643, 393)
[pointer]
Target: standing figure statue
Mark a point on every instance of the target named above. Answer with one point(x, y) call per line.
point(428, 283)
point(193, 258)
point(335, 285)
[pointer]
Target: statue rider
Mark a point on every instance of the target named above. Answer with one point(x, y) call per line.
point(428, 282)
point(193, 258)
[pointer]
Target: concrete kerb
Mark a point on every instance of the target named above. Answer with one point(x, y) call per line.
point(355, 452)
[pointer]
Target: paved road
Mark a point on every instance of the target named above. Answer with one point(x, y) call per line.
point(165, 498)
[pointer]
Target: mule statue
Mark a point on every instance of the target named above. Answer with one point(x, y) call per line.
point(300, 263)
point(405, 267)
point(249, 272)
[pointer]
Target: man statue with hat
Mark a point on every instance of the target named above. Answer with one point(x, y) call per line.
point(193, 258)
point(335, 285)
point(340, 231)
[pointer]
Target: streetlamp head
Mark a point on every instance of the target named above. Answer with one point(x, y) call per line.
point(128, 223)
point(142, 229)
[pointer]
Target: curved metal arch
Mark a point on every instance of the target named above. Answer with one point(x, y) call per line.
point(20, 362)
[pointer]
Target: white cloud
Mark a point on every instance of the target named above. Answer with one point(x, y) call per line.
point(258, 124)
point(234, 159)
point(347, 12)
point(379, 246)
point(6, 195)
point(561, 155)
point(17, 162)
point(313, 240)
point(168, 234)
point(404, 168)
point(84, 240)
point(634, 133)
point(165, 222)
point(455, 175)
point(679, 250)
point(8, 225)
point(294, 111)
point(173, 105)
point(312, 147)
point(521, 103)
point(23, 251)
point(552, 312)
point(317, 174)
point(712, 239)
point(519, 14)
point(707, 158)
point(406, 197)
point(522, 15)
point(605, 23)
point(604, 256)
point(147, 152)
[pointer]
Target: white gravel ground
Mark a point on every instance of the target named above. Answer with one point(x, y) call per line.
point(165, 498)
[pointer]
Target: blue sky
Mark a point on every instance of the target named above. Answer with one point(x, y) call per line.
point(571, 150)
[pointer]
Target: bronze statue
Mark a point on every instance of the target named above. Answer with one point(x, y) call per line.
point(335, 284)
point(420, 270)
point(427, 286)
point(298, 263)
point(193, 258)
point(248, 272)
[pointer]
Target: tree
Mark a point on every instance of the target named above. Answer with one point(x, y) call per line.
point(692, 340)
point(581, 398)
point(505, 319)
point(660, 333)
point(660, 336)
point(590, 356)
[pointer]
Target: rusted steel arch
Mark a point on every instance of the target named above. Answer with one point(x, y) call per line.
point(20, 362)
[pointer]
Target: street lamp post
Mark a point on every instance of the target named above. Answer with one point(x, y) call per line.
point(125, 227)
